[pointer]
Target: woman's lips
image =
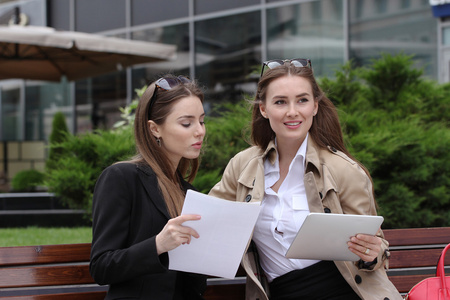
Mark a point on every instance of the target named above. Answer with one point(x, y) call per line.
point(293, 124)
point(197, 145)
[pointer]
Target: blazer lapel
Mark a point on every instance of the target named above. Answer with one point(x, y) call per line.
point(150, 183)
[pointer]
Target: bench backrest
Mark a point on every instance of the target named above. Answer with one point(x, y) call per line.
point(48, 269)
point(62, 271)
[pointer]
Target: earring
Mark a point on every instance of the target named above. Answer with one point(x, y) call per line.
point(158, 141)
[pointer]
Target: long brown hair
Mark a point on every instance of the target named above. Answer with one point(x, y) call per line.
point(151, 153)
point(325, 129)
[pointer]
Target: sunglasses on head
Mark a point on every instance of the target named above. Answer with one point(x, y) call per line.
point(166, 84)
point(297, 62)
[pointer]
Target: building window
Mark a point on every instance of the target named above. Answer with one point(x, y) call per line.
point(87, 17)
point(227, 52)
point(381, 6)
point(405, 4)
point(41, 104)
point(359, 8)
point(394, 33)
point(208, 6)
point(446, 36)
point(11, 118)
point(337, 6)
point(317, 9)
point(177, 35)
point(145, 11)
point(293, 31)
point(98, 100)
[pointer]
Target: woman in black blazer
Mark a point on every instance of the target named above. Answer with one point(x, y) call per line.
point(137, 203)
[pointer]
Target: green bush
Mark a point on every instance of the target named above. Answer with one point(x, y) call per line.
point(27, 180)
point(396, 123)
point(74, 175)
point(57, 136)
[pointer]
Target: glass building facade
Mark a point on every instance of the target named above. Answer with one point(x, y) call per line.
point(220, 43)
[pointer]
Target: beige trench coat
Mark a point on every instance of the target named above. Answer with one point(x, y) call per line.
point(334, 183)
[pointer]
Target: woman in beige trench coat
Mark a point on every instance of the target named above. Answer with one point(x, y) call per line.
point(299, 164)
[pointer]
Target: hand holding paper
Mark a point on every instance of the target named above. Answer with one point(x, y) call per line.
point(225, 228)
point(174, 233)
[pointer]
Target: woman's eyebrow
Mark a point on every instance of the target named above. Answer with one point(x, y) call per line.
point(284, 97)
point(189, 116)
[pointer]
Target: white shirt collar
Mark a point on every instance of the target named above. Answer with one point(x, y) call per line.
point(275, 167)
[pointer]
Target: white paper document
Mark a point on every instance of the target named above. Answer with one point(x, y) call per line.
point(224, 228)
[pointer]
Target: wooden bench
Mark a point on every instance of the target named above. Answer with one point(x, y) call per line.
point(62, 271)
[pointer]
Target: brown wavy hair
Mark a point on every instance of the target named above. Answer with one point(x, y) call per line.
point(150, 153)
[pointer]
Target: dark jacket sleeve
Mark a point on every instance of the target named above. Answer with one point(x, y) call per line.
point(116, 255)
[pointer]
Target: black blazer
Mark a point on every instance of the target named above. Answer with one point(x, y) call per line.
point(128, 212)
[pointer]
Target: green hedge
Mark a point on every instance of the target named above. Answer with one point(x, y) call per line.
point(396, 123)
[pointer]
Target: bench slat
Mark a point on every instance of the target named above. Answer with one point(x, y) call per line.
point(416, 258)
point(24, 255)
point(68, 296)
point(45, 276)
point(406, 282)
point(417, 236)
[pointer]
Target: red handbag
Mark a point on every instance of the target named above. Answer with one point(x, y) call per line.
point(434, 288)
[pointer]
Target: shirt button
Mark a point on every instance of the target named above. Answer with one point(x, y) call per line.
point(358, 279)
point(327, 210)
point(248, 198)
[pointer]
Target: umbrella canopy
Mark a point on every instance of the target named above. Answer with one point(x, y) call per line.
point(43, 53)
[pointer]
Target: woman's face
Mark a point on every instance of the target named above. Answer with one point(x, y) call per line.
point(183, 130)
point(290, 108)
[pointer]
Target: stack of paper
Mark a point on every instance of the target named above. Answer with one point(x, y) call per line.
point(225, 229)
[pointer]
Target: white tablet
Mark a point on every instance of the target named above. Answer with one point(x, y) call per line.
point(324, 236)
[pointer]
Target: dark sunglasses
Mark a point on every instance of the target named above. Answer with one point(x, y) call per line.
point(297, 62)
point(166, 84)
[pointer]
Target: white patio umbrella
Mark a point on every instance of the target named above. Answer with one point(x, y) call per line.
point(43, 53)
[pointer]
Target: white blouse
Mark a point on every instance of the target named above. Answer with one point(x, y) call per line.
point(281, 216)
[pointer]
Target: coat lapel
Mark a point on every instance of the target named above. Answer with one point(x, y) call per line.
point(150, 183)
point(314, 193)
